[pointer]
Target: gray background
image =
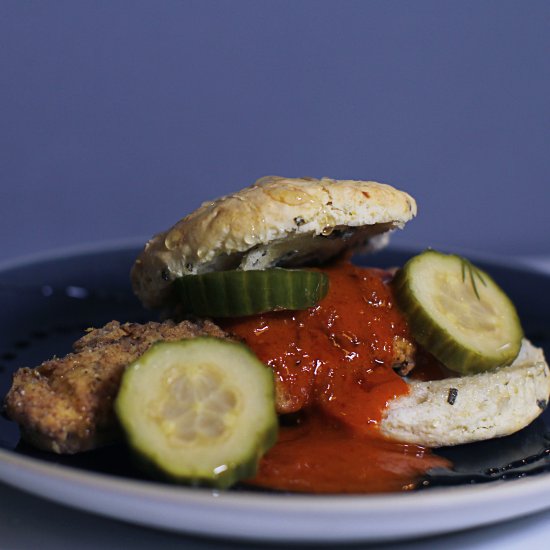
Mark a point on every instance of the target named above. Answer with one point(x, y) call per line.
point(117, 118)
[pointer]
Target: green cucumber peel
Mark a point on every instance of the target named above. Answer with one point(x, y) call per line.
point(238, 293)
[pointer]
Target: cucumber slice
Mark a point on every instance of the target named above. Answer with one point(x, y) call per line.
point(458, 313)
point(199, 411)
point(246, 292)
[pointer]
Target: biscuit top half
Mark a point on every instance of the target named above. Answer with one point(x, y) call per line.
point(276, 222)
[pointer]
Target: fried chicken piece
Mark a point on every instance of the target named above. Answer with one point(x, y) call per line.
point(404, 352)
point(294, 389)
point(66, 404)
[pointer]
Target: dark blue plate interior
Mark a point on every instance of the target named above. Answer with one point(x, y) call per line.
point(46, 305)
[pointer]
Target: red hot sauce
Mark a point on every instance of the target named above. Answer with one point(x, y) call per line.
point(333, 369)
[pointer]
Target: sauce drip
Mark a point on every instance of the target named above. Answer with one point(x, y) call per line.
point(317, 456)
point(333, 363)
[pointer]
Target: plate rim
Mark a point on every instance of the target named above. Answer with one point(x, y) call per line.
point(128, 243)
point(307, 518)
point(66, 252)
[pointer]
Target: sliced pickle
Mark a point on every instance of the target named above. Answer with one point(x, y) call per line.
point(457, 312)
point(239, 292)
point(199, 411)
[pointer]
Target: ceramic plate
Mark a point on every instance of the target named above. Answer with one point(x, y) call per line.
point(45, 304)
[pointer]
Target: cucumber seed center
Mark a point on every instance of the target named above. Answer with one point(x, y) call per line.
point(199, 406)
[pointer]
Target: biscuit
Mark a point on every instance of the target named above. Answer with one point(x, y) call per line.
point(274, 222)
point(471, 408)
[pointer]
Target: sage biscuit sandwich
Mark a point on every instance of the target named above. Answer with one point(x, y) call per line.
point(272, 259)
